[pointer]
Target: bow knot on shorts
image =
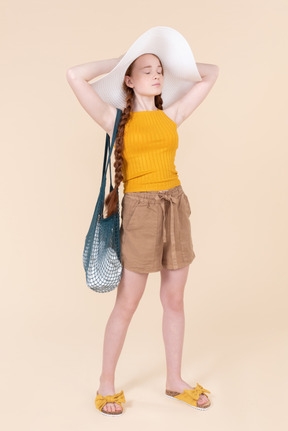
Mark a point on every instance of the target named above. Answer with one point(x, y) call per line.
point(155, 230)
point(172, 200)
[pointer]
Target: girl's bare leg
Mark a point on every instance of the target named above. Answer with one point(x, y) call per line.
point(172, 299)
point(129, 293)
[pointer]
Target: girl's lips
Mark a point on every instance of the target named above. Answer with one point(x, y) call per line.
point(156, 84)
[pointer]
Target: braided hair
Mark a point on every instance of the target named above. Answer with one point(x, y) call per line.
point(111, 199)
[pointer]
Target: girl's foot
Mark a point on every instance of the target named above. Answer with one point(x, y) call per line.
point(180, 385)
point(105, 390)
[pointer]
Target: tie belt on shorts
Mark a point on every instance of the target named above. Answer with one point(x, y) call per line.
point(173, 200)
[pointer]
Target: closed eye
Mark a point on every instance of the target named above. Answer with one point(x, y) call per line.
point(148, 73)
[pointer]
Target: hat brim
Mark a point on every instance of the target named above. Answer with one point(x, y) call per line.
point(180, 70)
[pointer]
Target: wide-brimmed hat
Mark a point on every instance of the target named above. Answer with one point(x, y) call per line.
point(180, 70)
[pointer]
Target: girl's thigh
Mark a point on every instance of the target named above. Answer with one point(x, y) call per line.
point(131, 287)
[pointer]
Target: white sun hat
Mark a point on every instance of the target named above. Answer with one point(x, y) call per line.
point(180, 70)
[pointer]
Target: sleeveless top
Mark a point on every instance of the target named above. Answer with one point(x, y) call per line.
point(150, 144)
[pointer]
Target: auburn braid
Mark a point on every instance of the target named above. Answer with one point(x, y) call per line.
point(111, 200)
point(159, 102)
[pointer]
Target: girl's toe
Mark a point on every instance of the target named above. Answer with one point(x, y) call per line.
point(202, 399)
point(109, 407)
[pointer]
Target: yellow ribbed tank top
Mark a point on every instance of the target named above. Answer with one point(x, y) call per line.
point(150, 144)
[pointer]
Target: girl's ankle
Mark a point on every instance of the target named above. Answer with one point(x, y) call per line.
point(106, 385)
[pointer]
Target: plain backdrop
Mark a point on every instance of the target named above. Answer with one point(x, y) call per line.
point(232, 163)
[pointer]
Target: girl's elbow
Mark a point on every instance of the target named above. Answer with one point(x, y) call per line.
point(70, 74)
point(216, 69)
point(214, 72)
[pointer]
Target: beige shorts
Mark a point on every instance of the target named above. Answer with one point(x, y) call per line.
point(155, 230)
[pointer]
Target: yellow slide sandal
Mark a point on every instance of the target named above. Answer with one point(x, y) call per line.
point(100, 402)
point(191, 396)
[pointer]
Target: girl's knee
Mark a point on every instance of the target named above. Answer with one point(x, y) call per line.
point(127, 306)
point(172, 302)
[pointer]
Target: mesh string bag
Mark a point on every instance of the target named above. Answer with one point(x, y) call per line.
point(102, 253)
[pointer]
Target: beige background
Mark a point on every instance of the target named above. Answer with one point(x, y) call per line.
point(232, 162)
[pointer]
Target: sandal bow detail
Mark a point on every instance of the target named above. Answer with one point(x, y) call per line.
point(191, 396)
point(101, 401)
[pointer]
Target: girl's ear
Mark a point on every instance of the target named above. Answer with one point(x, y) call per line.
point(128, 81)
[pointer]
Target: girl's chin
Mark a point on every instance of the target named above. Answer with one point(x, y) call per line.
point(158, 91)
point(155, 92)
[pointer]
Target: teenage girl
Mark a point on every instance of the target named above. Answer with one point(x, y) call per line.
point(143, 85)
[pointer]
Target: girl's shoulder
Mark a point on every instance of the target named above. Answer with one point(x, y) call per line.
point(170, 114)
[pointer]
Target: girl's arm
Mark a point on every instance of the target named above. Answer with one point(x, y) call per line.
point(184, 107)
point(206, 69)
point(78, 76)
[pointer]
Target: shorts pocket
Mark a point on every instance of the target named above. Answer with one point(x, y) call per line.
point(128, 208)
point(139, 236)
point(187, 204)
point(142, 216)
point(185, 231)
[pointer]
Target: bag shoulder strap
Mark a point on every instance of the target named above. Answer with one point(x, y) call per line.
point(109, 149)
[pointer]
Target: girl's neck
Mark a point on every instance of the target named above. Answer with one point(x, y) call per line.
point(144, 104)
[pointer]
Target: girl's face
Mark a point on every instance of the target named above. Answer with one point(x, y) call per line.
point(147, 76)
